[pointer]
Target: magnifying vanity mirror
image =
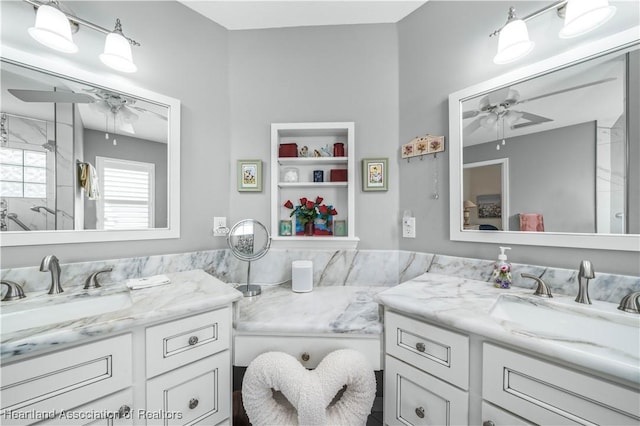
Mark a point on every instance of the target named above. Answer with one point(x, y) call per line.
point(249, 240)
point(550, 154)
point(84, 158)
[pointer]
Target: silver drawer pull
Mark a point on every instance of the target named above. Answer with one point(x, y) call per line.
point(193, 340)
point(420, 347)
point(420, 412)
point(488, 423)
point(305, 357)
point(124, 411)
point(193, 403)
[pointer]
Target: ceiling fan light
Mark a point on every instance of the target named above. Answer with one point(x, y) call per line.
point(585, 15)
point(513, 42)
point(53, 30)
point(117, 53)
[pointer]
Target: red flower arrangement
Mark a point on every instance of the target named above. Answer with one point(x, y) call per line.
point(308, 210)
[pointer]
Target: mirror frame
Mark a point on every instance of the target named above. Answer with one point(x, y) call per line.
point(113, 82)
point(624, 242)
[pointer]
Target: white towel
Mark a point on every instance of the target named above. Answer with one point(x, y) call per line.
point(309, 392)
point(89, 181)
point(140, 283)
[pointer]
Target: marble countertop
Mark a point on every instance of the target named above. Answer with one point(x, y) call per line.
point(467, 304)
point(326, 309)
point(188, 292)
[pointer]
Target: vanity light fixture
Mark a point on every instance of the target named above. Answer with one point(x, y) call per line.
point(53, 29)
point(580, 17)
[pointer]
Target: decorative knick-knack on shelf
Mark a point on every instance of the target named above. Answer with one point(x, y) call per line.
point(312, 217)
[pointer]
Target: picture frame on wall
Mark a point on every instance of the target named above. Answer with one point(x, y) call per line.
point(250, 175)
point(375, 174)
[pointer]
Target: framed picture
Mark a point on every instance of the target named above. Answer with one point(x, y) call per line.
point(489, 206)
point(374, 174)
point(250, 175)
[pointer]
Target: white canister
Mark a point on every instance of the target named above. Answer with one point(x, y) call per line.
point(302, 276)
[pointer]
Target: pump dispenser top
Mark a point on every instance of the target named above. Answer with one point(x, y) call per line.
point(502, 270)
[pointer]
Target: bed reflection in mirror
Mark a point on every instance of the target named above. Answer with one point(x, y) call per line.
point(75, 157)
point(557, 152)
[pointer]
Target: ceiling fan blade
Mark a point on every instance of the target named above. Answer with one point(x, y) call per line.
point(532, 120)
point(473, 126)
point(51, 96)
point(163, 117)
point(470, 114)
point(568, 89)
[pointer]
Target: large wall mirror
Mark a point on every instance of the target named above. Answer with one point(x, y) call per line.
point(550, 154)
point(84, 159)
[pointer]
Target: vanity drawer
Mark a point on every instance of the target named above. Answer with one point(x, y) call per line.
point(112, 410)
point(437, 351)
point(545, 393)
point(176, 343)
point(494, 416)
point(65, 379)
point(198, 392)
point(308, 350)
point(413, 397)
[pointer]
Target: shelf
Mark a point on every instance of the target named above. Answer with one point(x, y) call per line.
point(312, 184)
point(315, 242)
point(311, 161)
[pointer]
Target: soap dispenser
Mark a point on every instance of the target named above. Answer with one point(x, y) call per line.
point(502, 270)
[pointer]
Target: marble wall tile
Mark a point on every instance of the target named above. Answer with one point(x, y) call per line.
point(412, 264)
point(373, 268)
point(475, 269)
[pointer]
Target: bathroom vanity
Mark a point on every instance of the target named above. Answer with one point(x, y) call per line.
point(165, 358)
point(459, 351)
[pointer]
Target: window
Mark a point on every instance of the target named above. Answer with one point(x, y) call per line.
point(126, 194)
point(23, 173)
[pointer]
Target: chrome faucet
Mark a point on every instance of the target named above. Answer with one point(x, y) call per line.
point(50, 263)
point(14, 291)
point(542, 289)
point(631, 303)
point(92, 280)
point(585, 273)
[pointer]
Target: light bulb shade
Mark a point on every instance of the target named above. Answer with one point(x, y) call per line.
point(513, 42)
point(52, 29)
point(117, 53)
point(468, 204)
point(582, 16)
point(489, 121)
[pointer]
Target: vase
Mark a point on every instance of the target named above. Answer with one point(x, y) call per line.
point(309, 228)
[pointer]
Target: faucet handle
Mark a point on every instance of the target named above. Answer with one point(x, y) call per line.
point(586, 270)
point(14, 291)
point(631, 303)
point(542, 290)
point(92, 280)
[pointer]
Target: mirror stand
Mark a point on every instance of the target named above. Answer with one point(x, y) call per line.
point(250, 289)
point(249, 240)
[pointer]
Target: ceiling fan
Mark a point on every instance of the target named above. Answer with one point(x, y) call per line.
point(489, 115)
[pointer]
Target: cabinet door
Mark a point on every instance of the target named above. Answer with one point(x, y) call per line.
point(494, 416)
point(65, 379)
point(112, 410)
point(412, 397)
point(198, 391)
point(545, 393)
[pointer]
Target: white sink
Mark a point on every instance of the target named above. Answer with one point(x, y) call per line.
point(60, 309)
point(561, 318)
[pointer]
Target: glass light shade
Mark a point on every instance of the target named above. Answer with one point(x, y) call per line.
point(513, 42)
point(489, 121)
point(52, 29)
point(117, 53)
point(582, 16)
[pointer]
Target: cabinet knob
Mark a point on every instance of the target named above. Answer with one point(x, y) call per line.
point(305, 357)
point(193, 403)
point(193, 340)
point(420, 347)
point(488, 423)
point(420, 412)
point(124, 412)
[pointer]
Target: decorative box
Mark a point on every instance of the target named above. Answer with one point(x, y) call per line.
point(288, 150)
point(338, 175)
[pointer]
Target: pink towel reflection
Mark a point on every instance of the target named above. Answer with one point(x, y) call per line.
point(531, 222)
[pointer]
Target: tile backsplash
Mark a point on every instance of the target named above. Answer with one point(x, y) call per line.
point(330, 268)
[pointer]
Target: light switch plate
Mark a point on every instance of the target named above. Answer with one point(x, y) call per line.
point(409, 227)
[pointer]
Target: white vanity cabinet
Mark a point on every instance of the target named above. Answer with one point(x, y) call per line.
point(39, 388)
point(546, 393)
point(300, 183)
point(426, 373)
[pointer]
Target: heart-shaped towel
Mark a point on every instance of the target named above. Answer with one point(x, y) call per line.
point(309, 392)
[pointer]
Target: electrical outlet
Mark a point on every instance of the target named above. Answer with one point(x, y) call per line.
point(409, 227)
point(220, 227)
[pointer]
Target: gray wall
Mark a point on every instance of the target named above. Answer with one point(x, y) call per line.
point(444, 47)
point(133, 149)
point(552, 173)
point(341, 73)
point(183, 55)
